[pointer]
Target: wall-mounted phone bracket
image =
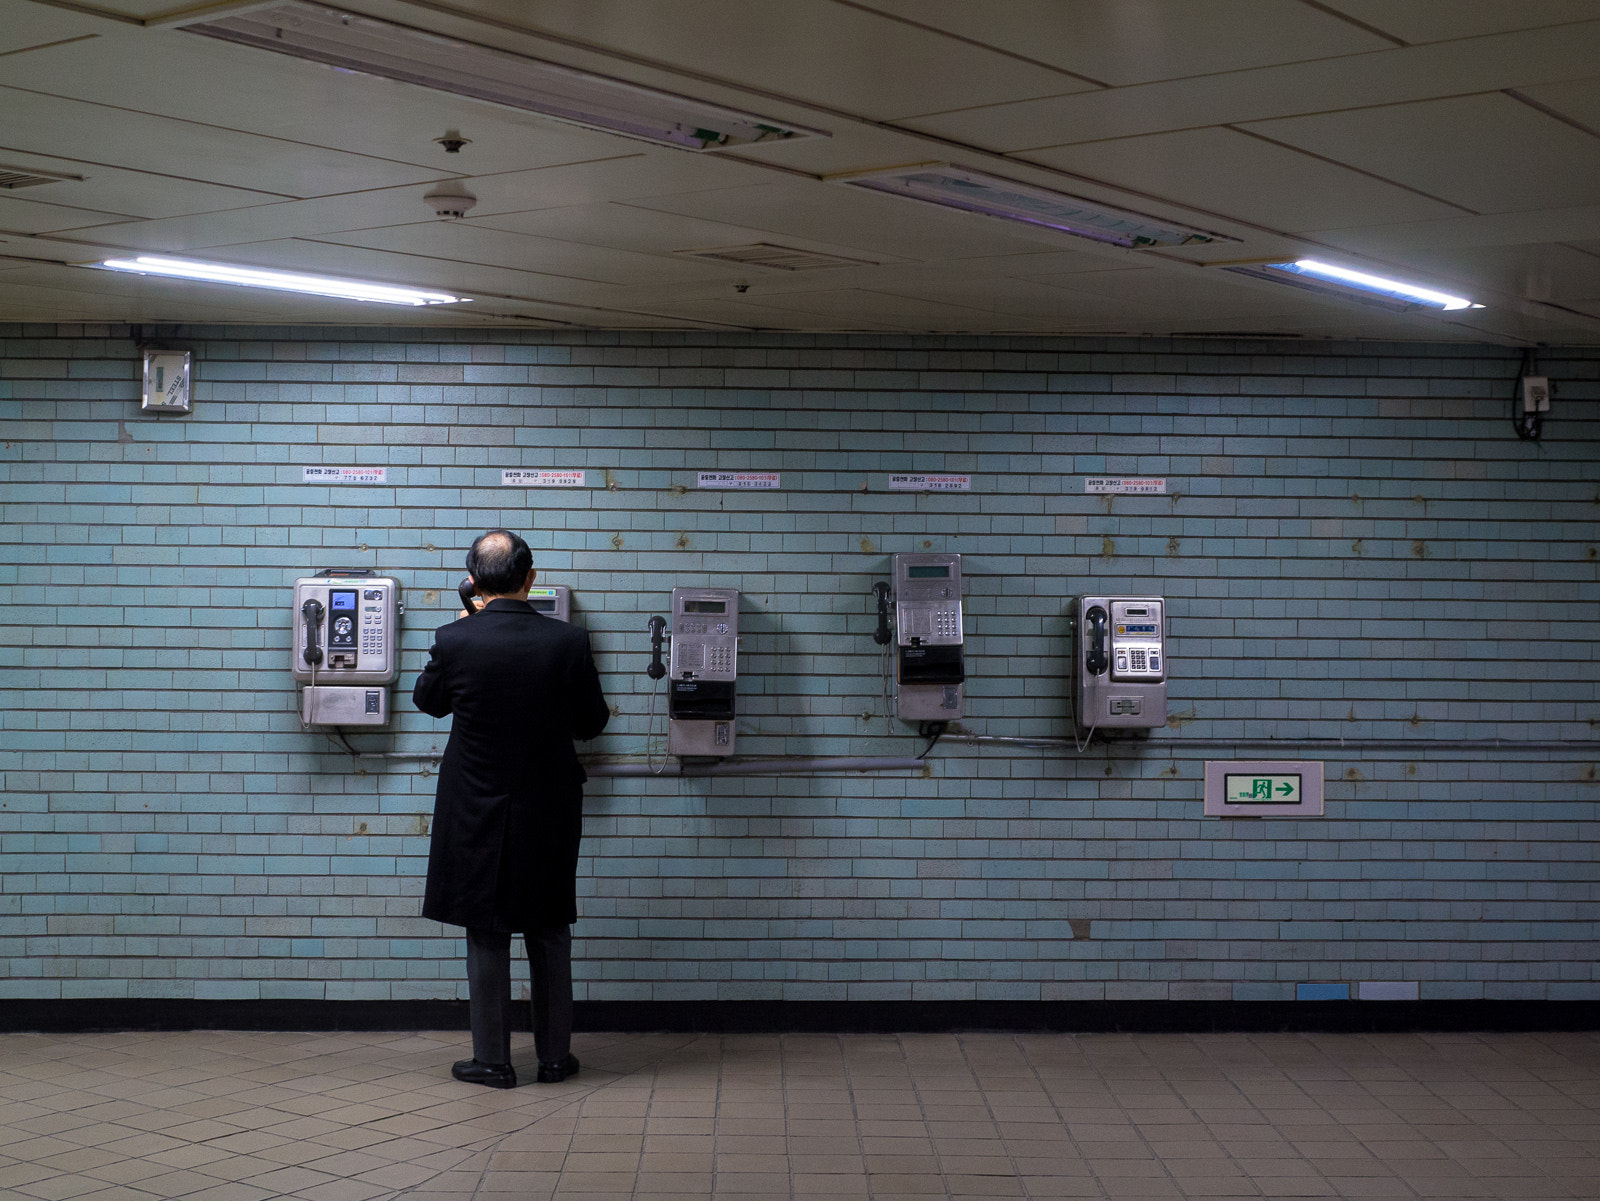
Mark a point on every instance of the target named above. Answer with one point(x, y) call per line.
point(930, 648)
point(346, 640)
point(702, 679)
point(554, 601)
point(1119, 662)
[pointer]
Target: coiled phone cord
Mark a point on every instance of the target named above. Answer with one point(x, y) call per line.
point(649, 737)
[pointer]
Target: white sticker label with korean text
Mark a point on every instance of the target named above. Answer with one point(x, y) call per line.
point(344, 475)
point(517, 478)
point(737, 479)
point(1101, 483)
point(930, 483)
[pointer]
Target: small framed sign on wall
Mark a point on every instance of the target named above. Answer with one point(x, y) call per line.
point(166, 381)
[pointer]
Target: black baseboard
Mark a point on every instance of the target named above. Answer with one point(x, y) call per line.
point(766, 1017)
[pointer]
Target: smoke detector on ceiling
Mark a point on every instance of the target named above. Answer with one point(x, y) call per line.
point(450, 199)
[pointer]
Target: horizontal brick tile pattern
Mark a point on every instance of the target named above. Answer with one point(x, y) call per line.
point(1354, 545)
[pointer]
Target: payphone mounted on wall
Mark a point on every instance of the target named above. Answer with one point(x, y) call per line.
point(703, 673)
point(1120, 662)
point(930, 663)
point(346, 646)
point(555, 601)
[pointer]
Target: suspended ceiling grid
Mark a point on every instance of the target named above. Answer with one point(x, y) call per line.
point(1455, 142)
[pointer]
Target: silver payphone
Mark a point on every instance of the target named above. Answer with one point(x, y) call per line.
point(703, 673)
point(930, 664)
point(346, 646)
point(555, 601)
point(1120, 662)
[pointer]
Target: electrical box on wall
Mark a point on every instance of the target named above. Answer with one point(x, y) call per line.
point(346, 646)
point(1119, 662)
point(704, 673)
point(930, 660)
point(167, 381)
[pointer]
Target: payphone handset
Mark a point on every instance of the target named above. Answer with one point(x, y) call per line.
point(1120, 664)
point(930, 660)
point(346, 647)
point(702, 672)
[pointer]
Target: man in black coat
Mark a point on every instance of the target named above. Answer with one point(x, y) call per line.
point(509, 808)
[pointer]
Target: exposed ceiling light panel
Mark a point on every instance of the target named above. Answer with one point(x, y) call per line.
point(993, 196)
point(780, 258)
point(352, 42)
point(1329, 279)
point(278, 281)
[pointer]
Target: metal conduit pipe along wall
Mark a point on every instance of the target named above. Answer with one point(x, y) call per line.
point(1370, 744)
point(796, 765)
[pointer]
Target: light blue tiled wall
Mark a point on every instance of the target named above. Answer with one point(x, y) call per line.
point(1354, 545)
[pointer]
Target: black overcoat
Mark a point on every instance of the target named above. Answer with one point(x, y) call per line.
point(509, 809)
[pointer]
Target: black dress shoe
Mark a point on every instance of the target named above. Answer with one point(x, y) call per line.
point(495, 1075)
point(555, 1073)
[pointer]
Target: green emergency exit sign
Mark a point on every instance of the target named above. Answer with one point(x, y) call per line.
point(1264, 788)
point(1261, 790)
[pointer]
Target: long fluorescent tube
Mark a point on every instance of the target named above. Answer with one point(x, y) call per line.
point(352, 42)
point(1325, 279)
point(1375, 283)
point(280, 281)
point(993, 196)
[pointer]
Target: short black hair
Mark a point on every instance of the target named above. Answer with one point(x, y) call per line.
point(499, 562)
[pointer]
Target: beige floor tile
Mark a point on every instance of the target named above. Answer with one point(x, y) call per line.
point(1143, 1118)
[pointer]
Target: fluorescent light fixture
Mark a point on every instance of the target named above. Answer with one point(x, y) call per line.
point(978, 192)
point(369, 46)
point(1317, 276)
point(280, 281)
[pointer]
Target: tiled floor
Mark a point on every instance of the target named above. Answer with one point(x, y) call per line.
point(345, 1117)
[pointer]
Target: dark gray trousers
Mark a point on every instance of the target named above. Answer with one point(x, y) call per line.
point(489, 993)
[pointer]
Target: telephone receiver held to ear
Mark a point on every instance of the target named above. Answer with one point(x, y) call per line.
point(467, 590)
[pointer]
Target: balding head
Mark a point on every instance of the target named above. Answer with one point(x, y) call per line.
point(499, 563)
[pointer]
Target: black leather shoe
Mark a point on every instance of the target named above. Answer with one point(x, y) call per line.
point(555, 1073)
point(495, 1075)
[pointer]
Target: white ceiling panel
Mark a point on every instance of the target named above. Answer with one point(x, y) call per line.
point(1519, 157)
point(1417, 21)
point(216, 84)
point(1122, 42)
point(123, 192)
point(862, 221)
point(1547, 272)
point(52, 125)
point(1577, 100)
point(831, 54)
point(20, 213)
point(1279, 122)
point(841, 309)
point(647, 173)
point(1225, 171)
point(1507, 229)
point(625, 226)
point(464, 242)
point(29, 25)
point(1383, 77)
